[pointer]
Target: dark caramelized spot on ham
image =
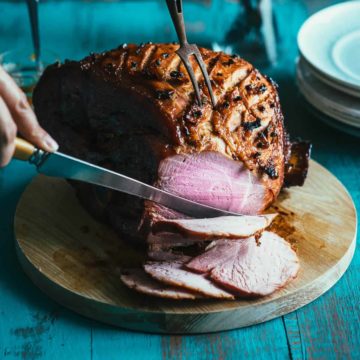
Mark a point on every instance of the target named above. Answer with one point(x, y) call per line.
point(164, 94)
point(251, 125)
point(262, 139)
point(270, 171)
point(176, 74)
point(262, 88)
point(228, 63)
point(226, 105)
point(197, 113)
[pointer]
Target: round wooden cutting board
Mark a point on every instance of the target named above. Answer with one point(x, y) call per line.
point(76, 260)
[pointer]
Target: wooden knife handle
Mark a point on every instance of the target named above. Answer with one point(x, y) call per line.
point(23, 149)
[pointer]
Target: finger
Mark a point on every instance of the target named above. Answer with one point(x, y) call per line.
point(23, 114)
point(7, 134)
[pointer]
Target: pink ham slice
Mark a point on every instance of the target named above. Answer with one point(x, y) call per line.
point(248, 269)
point(233, 227)
point(213, 179)
point(172, 273)
point(140, 281)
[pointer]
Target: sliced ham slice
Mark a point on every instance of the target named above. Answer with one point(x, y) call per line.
point(213, 179)
point(246, 268)
point(140, 281)
point(233, 227)
point(172, 273)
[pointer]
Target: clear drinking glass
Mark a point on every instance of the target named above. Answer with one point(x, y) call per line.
point(23, 68)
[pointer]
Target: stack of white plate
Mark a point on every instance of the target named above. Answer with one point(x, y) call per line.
point(328, 70)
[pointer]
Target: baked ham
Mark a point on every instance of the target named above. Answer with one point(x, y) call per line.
point(133, 110)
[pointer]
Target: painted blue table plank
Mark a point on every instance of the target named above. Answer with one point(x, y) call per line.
point(35, 327)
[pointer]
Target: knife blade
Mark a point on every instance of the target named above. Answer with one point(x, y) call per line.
point(64, 166)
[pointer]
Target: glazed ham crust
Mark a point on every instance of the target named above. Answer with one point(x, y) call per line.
point(246, 124)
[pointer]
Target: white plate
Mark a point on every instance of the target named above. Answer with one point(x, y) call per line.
point(341, 106)
point(334, 123)
point(313, 100)
point(330, 41)
point(328, 81)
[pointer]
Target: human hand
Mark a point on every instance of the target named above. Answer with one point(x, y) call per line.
point(16, 115)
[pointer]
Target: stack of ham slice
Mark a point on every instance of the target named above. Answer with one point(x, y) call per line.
point(240, 259)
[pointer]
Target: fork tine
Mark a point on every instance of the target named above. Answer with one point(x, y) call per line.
point(201, 63)
point(190, 71)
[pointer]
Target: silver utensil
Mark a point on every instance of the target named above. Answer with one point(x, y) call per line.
point(34, 21)
point(186, 50)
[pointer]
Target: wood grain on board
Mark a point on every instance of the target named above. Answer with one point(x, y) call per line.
point(77, 260)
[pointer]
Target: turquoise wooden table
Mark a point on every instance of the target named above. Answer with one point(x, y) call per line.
point(35, 327)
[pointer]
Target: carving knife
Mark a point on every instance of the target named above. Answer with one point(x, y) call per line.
point(64, 166)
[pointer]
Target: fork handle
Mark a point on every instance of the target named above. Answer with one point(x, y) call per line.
point(176, 11)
